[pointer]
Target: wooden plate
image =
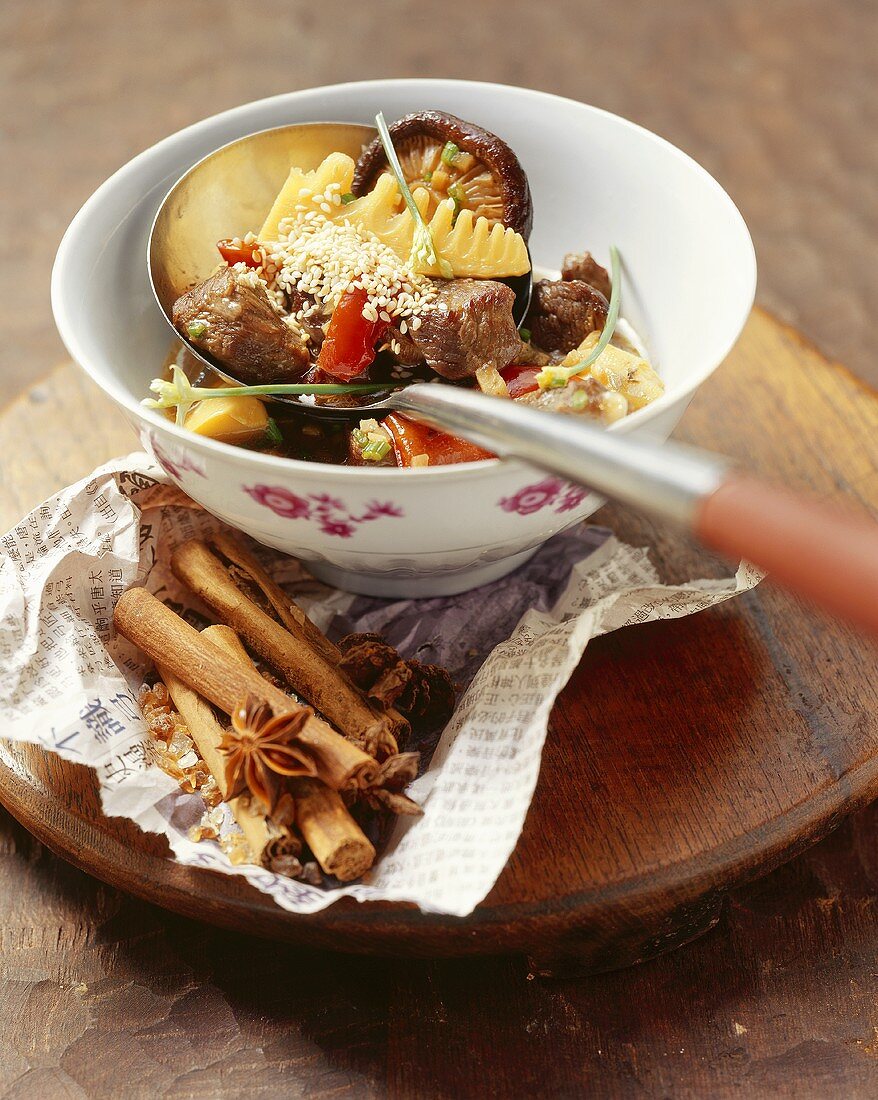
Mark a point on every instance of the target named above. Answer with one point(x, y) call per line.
point(683, 757)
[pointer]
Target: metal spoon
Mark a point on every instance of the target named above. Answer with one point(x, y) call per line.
point(228, 194)
point(823, 553)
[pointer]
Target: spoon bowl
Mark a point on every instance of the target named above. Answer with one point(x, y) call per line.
point(227, 194)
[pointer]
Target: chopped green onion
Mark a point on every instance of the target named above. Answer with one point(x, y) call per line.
point(457, 196)
point(196, 329)
point(449, 153)
point(579, 400)
point(548, 378)
point(428, 176)
point(524, 333)
point(371, 450)
point(347, 197)
point(423, 249)
point(553, 378)
point(375, 450)
point(273, 434)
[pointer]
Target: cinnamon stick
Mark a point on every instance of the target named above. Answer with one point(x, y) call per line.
point(338, 843)
point(204, 728)
point(268, 840)
point(287, 610)
point(248, 574)
point(200, 664)
point(273, 843)
point(306, 665)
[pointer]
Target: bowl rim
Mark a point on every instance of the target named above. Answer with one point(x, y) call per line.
point(276, 463)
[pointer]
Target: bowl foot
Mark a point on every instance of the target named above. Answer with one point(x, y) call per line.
point(402, 585)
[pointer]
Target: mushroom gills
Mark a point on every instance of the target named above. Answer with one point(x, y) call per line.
point(453, 159)
point(460, 177)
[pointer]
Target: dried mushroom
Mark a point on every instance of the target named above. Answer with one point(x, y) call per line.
point(454, 159)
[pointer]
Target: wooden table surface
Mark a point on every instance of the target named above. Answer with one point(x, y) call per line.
point(113, 997)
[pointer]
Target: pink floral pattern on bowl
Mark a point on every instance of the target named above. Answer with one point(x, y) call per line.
point(552, 492)
point(175, 465)
point(331, 515)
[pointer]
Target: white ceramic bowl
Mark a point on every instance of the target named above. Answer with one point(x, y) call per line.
point(596, 179)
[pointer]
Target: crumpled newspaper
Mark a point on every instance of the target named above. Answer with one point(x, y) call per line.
point(70, 685)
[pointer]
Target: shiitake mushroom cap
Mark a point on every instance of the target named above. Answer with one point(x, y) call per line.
point(491, 151)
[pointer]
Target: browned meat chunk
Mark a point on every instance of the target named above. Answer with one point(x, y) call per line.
point(298, 302)
point(585, 268)
point(236, 324)
point(470, 326)
point(562, 314)
point(403, 347)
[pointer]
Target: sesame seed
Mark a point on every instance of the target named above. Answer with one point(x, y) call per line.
point(321, 258)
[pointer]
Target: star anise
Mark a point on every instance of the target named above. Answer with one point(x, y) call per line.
point(384, 792)
point(260, 748)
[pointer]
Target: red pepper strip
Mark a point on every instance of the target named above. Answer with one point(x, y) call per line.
point(239, 254)
point(349, 347)
point(520, 379)
point(411, 438)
